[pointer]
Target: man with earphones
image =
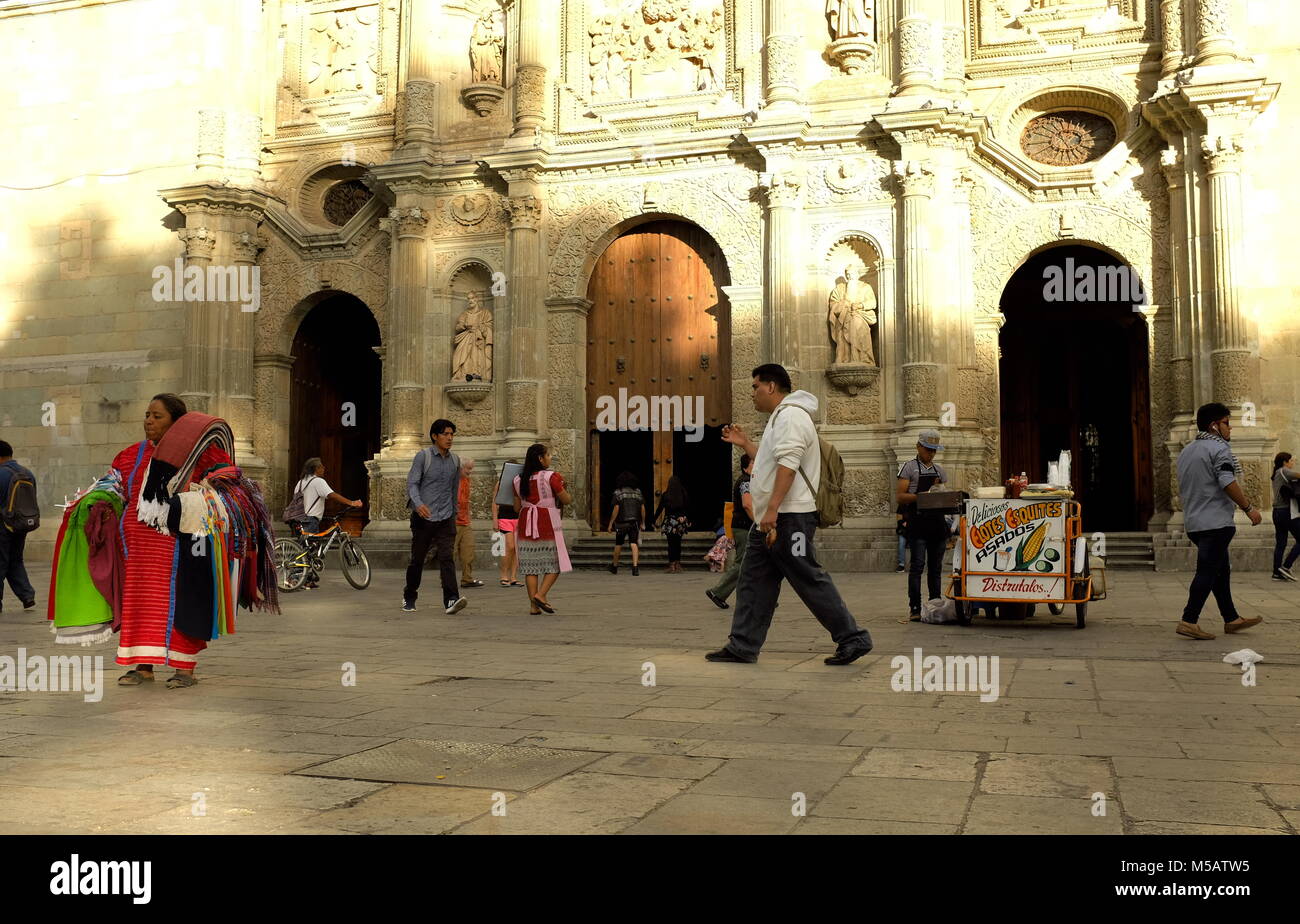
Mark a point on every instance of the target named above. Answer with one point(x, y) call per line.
point(1209, 481)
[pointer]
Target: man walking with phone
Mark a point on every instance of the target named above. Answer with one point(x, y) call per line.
point(783, 488)
point(432, 487)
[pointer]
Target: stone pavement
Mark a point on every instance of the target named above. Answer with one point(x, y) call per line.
point(494, 721)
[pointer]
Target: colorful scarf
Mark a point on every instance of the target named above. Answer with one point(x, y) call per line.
point(173, 462)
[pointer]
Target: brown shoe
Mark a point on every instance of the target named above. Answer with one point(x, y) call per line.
point(1242, 623)
point(1191, 630)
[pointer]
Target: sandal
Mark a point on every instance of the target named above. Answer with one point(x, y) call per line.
point(516, 583)
point(178, 680)
point(133, 678)
point(505, 583)
point(543, 604)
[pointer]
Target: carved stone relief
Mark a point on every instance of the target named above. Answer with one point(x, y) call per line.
point(644, 48)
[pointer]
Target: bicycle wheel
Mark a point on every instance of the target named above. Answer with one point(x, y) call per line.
point(290, 565)
point(355, 565)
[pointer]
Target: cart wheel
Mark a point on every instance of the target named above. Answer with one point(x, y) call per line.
point(1056, 609)
point(1080, 614)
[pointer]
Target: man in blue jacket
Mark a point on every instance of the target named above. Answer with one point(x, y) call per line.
point(12, 568)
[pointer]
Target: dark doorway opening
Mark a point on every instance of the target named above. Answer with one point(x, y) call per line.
point(335, 398)
point(1074, 375)
point(618, 451)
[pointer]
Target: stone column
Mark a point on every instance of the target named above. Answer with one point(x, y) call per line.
point(527, 287)
point(954, 60)
point(199, 368)
point(746, 303)
point(1181, 362)
point(409, 284)
point(1231, 357)
point(237, 400)
point(780, 313)
point(1171, 36)
point(920, 371)
point(418, 100)
point(917, 38)
point(1214, 39)
point(780, 60)
point(535, 20)
point(273, 377)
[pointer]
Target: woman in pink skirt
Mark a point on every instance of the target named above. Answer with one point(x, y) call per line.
point(539, 540)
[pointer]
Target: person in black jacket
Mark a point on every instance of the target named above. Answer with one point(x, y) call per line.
point(672, 503)
point(12, 568)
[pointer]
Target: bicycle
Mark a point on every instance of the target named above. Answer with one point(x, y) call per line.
point(302, 559)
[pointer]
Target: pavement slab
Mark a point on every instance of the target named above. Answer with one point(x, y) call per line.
point(495, 722)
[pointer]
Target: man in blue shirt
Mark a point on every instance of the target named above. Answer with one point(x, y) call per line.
point(431, 489)
point(12, 568)
point(1208, 482)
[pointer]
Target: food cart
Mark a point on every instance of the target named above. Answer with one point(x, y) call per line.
point(1019, 552)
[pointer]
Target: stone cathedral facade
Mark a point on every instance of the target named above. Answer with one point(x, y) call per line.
point(482, 210)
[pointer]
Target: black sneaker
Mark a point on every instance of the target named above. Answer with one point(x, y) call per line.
point(636, 571)
point(725, 654)
point(717, 601)
point(1278, 576)
point(455, 606)
point(846, 656)
point(408, 606)
point(900, 569)
point(28, 604)
point(613, 569)
point(1286, 573)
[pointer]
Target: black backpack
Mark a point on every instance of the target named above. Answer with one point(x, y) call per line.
point(20, 513)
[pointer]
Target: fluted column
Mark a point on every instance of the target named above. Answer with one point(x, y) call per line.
point(780, 59)
point(1181, 363)
point(409, 283)
point(1171, 36)
point(780, 306)
point(1231, 356)
point(198, 367)
point(417, 101)
point(536, 21)
point(918, 52)
point(238, 401)
point(1214, 39)
point(525, 285)
point(920, 371)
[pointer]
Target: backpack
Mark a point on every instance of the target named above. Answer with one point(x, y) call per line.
point(830, 491)
point(20, 513)
point(297, 509)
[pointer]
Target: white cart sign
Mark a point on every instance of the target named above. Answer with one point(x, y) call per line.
point(1015, 549)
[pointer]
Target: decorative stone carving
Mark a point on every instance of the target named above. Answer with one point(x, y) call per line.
point(343, 200)
point(782, 58)
point(654, 48)
point(915, 178)
point(199, 242)
point(343, 46)
point(467, 394)
point(485, 50)
point(246, 247)
point(1067, 139)
point(1222, 152)
point(852, 316)
point(472, 345)
point(782, 188)
point(915, 36)
point(470, 209)
point(851, 18)
point(525, 212)
point(406, 222)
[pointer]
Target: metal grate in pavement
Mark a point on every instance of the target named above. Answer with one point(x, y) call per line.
point(459, 763)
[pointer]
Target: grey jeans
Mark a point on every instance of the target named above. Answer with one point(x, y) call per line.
point(790, 558)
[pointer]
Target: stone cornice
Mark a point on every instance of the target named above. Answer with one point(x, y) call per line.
point(219, 199)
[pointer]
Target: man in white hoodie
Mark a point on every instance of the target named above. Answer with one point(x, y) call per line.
point(783, 487)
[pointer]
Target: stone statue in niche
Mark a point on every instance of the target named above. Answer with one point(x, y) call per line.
point(340, 52)
point(485, 50)
point(472, 348)
point(852, 18)
point(852, 316)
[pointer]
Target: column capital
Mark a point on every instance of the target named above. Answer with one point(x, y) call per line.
point(246, 246)
point(915, 178)
point(1171, 163)
point(525, 212)
point(782, 188)
point(199, 242)
point(406, 223)
point(1222, 153)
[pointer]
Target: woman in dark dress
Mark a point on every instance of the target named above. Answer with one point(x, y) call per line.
point(672, 504)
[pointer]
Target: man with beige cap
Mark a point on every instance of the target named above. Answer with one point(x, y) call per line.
point(926, 533)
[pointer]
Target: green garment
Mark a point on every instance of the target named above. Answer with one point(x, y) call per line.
point(77, 601)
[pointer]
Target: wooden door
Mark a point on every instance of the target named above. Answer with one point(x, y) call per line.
point(659, 328)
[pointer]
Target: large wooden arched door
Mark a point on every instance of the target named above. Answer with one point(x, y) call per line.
point(659, 329)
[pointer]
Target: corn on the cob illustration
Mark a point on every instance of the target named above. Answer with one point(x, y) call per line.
point(1032, 545)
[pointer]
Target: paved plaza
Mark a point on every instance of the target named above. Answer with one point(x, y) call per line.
point(494, 721)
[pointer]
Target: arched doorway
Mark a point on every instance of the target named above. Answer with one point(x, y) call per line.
point(335, 394)
point(1075, 375)
point(659, 339)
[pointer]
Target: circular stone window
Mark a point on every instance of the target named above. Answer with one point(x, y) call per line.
point(343, 200)
point(1067, 139)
